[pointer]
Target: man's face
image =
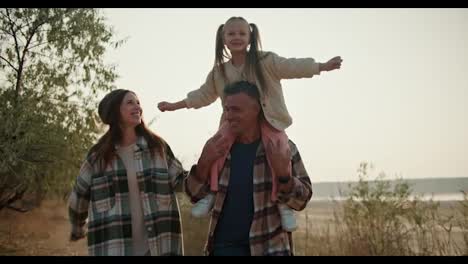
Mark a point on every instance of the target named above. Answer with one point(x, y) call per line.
point(241, 112)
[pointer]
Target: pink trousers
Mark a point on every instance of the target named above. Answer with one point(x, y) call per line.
point(268, 133)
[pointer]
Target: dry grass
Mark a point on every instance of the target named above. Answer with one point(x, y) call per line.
point(324, 231)
point(379, 219)
point(354, 227)
point(42, 231)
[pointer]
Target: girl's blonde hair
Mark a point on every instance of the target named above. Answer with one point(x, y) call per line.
point(253, 66)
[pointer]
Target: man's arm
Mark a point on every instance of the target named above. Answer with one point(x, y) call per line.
point(294, 187)
point(196, 184)
point(300, 191)
point(195, 188)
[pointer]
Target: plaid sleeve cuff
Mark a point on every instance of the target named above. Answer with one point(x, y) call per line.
point(78, 232)
point(194, 187)
point(295, 192)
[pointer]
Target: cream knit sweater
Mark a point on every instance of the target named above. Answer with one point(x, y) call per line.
point(275, 68)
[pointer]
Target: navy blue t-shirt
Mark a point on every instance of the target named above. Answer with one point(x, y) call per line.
point(232, 229)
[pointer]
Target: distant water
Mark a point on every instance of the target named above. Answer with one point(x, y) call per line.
point(426, 197)
point(439, 189)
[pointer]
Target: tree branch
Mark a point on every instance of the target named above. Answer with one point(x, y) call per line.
point(3, 14)
point(6, 32)
point(9, 197)
point(18, 209)
point(9, 63)
point(20, 64)
point(21, 57)
point(39, 44)
point(20, 27)
point(28, 41)
point(69, 61)
point(13, 33)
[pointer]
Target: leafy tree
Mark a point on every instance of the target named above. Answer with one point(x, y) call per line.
point(52, 70)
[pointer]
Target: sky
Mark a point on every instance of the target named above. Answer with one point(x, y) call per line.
point(399, 101)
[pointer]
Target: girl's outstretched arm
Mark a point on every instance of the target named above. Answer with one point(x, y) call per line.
point(166, 106)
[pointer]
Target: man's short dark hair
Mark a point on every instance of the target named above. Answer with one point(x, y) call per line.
point(248, 88)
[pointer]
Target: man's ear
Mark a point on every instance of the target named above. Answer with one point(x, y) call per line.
point(261, 116)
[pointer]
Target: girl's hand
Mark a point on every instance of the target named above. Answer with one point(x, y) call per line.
point(166, 106)
point(332, 64)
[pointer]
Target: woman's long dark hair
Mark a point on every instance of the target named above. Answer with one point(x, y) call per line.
point(104, 150)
